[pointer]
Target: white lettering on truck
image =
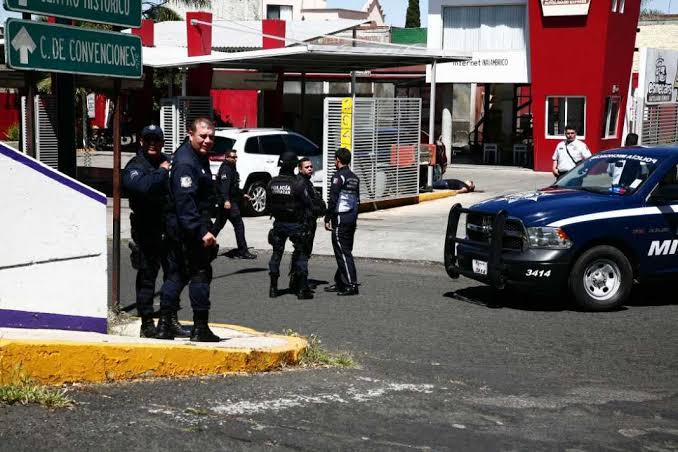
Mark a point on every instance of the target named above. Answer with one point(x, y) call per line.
point(663, 247)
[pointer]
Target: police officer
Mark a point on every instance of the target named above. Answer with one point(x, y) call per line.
point(230, 197)
point(288, 199)
point(341, 219)
point(318, 209)
point(145, 180)
point(568, 153)
point(191, 233)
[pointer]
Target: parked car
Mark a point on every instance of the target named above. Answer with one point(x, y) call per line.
point(258, 153)
point(610, 221)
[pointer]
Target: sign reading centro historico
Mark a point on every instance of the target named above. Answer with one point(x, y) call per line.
point(114, 12)
point(41, 46)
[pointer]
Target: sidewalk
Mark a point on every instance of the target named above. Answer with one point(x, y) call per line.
point(57, 356)
point(412, 232)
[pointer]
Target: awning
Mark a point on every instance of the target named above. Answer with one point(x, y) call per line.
point(305, 58)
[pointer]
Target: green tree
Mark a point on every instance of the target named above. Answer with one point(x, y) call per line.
point(412, 17)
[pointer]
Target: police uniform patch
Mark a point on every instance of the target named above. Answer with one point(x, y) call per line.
point(186, 182)
point(133, 174)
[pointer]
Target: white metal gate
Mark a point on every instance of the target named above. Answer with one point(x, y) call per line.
point(659, 124)
point(383, 136)
point(46, 142)
point(177, 113)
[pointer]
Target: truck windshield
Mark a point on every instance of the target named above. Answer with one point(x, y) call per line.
point(620, 174)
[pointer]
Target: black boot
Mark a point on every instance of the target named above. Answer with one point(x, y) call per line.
point(147, 327)
point(333, 288)
point(273, 289)
point(177, 328)
point(201, 331)
point(164, 330)
point(349, 290)
point(303, 292)
point(294, 282)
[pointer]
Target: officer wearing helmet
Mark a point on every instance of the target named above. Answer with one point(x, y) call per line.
point(145, 180)
point(289, 199)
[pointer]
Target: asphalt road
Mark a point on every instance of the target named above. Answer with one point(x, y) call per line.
point(439, 370)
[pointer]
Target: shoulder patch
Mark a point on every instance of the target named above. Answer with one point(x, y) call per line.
point(186, 182)
point(335, 180)
point(133, 174)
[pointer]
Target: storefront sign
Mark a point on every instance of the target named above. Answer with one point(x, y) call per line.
point(347, 123)
point(565, 7)
point(485, 67)
point(658, 76)
point(225, 79)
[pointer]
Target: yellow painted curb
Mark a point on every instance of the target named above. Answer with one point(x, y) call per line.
point(440, 194)
point(390, 203)
point(59, 362)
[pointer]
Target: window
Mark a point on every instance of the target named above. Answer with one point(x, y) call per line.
point(252, 146)
point(222, 144)
point(611, 117)
point(562, 111)
point(301, 146)
point(272, 144)
point(473, 28)
point(282, 12)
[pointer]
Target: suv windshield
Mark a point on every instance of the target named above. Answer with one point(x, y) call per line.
point(621, 174)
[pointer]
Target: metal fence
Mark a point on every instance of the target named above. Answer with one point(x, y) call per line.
point(383, 135)
point(177, 113)
point(46, 140)
point(659, 124)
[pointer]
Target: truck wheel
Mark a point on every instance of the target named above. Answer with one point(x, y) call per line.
point(601, 278)
point(257, 191)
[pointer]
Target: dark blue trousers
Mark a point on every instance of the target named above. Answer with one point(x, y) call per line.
point(188, 264)
point(342, 244)
point(234, 216)
point(278, 236)
point(148, 256)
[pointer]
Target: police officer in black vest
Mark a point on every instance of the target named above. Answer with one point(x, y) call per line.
point(341, 219)
point(145, 180)
point(191, 233)
point(288, 200)
point(231, 196)
point(318, 209)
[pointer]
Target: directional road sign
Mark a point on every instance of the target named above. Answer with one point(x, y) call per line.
point(40, 46)
point(114, 12)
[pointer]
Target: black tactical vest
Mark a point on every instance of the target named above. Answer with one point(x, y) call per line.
point(282, 202)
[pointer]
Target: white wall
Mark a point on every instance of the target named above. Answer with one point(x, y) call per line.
point(53, 249)
point(484, 66)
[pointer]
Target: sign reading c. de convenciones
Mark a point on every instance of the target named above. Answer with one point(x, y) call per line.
point(42, 46)
point(114, 12)
point(565, 7)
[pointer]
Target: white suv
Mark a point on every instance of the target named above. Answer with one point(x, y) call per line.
point(258, 153)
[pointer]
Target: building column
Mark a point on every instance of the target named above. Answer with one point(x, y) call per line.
point(446, 120)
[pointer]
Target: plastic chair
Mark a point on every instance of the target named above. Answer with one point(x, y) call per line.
point(519, 154)
point(491, 149)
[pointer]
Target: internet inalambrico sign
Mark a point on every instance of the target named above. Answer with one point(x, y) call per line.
point(41, 46)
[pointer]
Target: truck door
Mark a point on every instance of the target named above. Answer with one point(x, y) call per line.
point(662, 251)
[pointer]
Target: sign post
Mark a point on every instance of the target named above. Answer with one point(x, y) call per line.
point(37, 46)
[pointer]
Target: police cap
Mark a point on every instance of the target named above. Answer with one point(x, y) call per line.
point(152, 131)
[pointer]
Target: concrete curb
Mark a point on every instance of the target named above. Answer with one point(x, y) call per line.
point(390, 203)
point(56, 362)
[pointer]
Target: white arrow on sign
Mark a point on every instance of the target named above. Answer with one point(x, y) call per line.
point(24, 44)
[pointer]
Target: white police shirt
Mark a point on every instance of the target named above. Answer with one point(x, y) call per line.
point(577, 149)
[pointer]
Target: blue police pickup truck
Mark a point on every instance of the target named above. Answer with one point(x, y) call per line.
point(610, 221)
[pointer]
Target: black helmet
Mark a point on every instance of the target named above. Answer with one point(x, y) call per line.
point(288, 158)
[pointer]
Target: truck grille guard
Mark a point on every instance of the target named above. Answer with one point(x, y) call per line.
point(494, 246)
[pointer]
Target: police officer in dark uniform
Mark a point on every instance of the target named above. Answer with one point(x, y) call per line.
point(191, 233)
point(228, 185)
point(318, 209)
point(288, 200)
point(341, 219)
point(145, 180)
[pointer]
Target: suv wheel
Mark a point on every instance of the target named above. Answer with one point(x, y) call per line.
point(601, 278)
point(257, 191)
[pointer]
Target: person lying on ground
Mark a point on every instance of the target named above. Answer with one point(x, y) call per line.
point(455, 184)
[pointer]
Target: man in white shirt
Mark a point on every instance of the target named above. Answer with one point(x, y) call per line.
point(568, 153)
